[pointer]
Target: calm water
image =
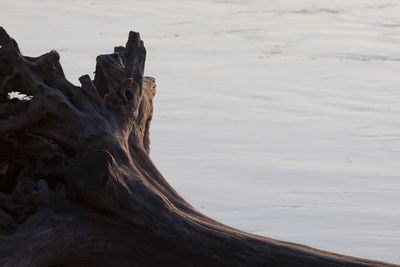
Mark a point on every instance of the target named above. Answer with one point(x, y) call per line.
point(281, 118)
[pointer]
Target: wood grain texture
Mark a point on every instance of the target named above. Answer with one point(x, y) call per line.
point(78, 187)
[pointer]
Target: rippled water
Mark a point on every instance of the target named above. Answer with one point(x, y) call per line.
point(281, 118)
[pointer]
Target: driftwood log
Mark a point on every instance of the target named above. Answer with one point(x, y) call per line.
point(77, 185)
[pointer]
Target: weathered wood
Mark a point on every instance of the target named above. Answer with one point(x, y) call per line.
point(78, 185)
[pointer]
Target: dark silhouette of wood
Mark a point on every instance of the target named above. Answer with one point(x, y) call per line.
point(78, 187)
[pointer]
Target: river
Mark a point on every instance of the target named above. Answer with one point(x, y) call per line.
point(281, 118)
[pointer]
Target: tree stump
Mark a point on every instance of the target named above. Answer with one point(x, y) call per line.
point(78, 187)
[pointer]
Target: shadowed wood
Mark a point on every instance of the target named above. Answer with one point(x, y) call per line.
point(78, 187)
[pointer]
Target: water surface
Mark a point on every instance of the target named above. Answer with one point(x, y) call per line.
point(281, 118)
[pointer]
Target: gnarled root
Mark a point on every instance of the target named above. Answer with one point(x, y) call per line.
point(78, 185)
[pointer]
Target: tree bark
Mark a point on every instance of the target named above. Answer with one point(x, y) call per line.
point(78, 187)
